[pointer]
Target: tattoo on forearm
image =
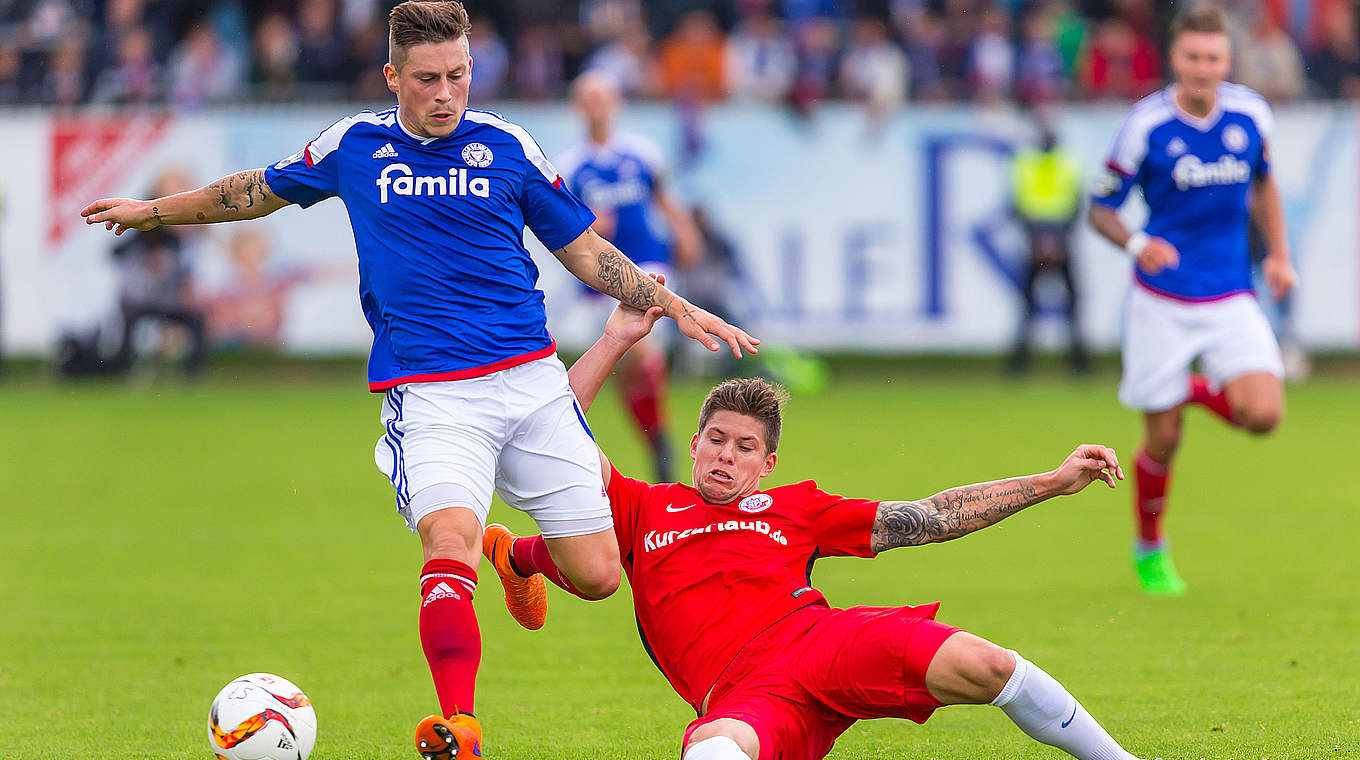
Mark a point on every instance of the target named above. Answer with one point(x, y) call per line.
point(623, 280)
point(242, 189)
point(156, 212)
point(949, 514)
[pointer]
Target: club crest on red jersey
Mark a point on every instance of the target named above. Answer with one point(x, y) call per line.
point(758, 502)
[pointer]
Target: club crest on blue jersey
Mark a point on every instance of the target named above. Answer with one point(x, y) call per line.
point(477, 155)
point(1234, 138)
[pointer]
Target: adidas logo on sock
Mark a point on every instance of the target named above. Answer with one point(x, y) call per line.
point(441, 591)
point(386, 151)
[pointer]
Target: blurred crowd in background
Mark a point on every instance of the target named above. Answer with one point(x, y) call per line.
point(190, 53)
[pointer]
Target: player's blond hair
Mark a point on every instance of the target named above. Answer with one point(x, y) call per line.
point(415, 22)
point(752, 397)
point(1208, 19)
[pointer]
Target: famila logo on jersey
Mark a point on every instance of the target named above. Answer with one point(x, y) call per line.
point(399, 179)
point(1190, 172)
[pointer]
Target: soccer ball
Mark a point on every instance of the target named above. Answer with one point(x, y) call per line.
point(261, 717)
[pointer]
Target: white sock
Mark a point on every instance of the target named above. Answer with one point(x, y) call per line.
point(715, 748)
point(1042, 708)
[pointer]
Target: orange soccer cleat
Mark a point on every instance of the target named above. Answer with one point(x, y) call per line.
point(456, 738)
point(526, 598)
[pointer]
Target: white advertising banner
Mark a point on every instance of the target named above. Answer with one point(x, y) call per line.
point(851, 234)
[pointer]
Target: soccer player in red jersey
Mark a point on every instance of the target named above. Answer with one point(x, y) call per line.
point(720, 570)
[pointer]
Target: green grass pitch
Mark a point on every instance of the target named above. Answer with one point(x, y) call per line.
point(158, 542)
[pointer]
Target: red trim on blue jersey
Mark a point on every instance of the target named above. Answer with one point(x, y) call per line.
point(557, 183)
point(307, 154)
point(1190, 299)
point(1117, 169)
point(464, 374)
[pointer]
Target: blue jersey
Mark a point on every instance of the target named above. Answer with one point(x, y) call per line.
point(1196, 175)
point(621, 179)
point(444, 278)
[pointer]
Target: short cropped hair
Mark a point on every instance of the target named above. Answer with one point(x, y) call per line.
point(1208, 19)
point(419, 21)
point(752, 397)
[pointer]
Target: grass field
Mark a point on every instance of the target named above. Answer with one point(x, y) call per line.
point(157, 542)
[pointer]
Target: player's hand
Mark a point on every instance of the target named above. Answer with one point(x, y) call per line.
point(1158, 255)
point(627, 325)
point(1280, 275)
point(121, 214)
point(703, 327)
point(1085, 466)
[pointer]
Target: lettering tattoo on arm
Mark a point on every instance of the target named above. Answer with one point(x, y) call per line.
point(950, 514)
point(242, 189)
point(156, 212)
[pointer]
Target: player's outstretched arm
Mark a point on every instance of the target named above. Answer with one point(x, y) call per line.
point(596, 262)
point(243, 195)
point(960, 511)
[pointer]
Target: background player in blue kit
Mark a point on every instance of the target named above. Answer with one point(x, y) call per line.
point(1199, 150)
point(476, 400)
point(623, 179)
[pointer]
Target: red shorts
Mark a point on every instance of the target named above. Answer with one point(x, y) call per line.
point(801, 683)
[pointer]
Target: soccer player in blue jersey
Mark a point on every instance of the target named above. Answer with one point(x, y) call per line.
point(1199, 150)
point(475, 399)
point(623, 179)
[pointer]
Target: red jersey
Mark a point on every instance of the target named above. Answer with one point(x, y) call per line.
point(707, 578)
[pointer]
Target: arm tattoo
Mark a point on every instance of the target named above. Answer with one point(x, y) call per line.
point(950, 514)
point(623, 280)
point(156, 212)
point(241, 189)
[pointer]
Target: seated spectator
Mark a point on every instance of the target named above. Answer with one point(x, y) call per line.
point(818, 46)
point(1039, 73)
point(12, 86)
point(760, 62)
point(628, 60)
point(274, 69)
point(493, 60)
point(690, 63)
point(1120, 63)
point(539, 68)
point(202, 71)
point(874, 70)
point(65, 83)
point(924, 37)
point(1269, 62)
point(323, 56)
point(1336, 67)
point(991, 59)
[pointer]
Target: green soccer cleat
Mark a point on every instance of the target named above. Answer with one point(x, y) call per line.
point(1157, 574)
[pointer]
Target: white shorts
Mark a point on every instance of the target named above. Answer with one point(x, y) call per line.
point(518, 431)
point(1163, 336)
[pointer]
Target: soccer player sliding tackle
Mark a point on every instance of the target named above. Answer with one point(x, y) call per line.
point(475, 398)
point(1199, 150)
point(719, 572)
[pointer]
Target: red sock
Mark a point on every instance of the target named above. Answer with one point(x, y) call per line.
point(529, 555)
point(1149, 500)
point(643, 391)
point(1202, 394)
point(448, 632)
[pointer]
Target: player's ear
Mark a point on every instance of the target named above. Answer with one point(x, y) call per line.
point(770, 460)
point(391, 73)
point(694, 447)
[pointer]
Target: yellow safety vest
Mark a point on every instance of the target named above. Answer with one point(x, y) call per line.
point(1047, 186)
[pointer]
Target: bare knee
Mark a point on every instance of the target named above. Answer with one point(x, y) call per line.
point(590, 562)
point(598, 581)
point(738, 731)
point(969, 670)
point(454, 533)
point(1163, 435)
point(1258, 420)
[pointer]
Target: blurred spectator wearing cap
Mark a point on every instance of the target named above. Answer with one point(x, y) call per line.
point(1046, 194)
point(1269, 62)
point(691, 59)
point(874, 70)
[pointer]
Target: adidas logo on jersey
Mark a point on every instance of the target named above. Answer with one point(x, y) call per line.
point(386, 151)
point(442, 591)
point(1190, 171)
point(398, 179)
